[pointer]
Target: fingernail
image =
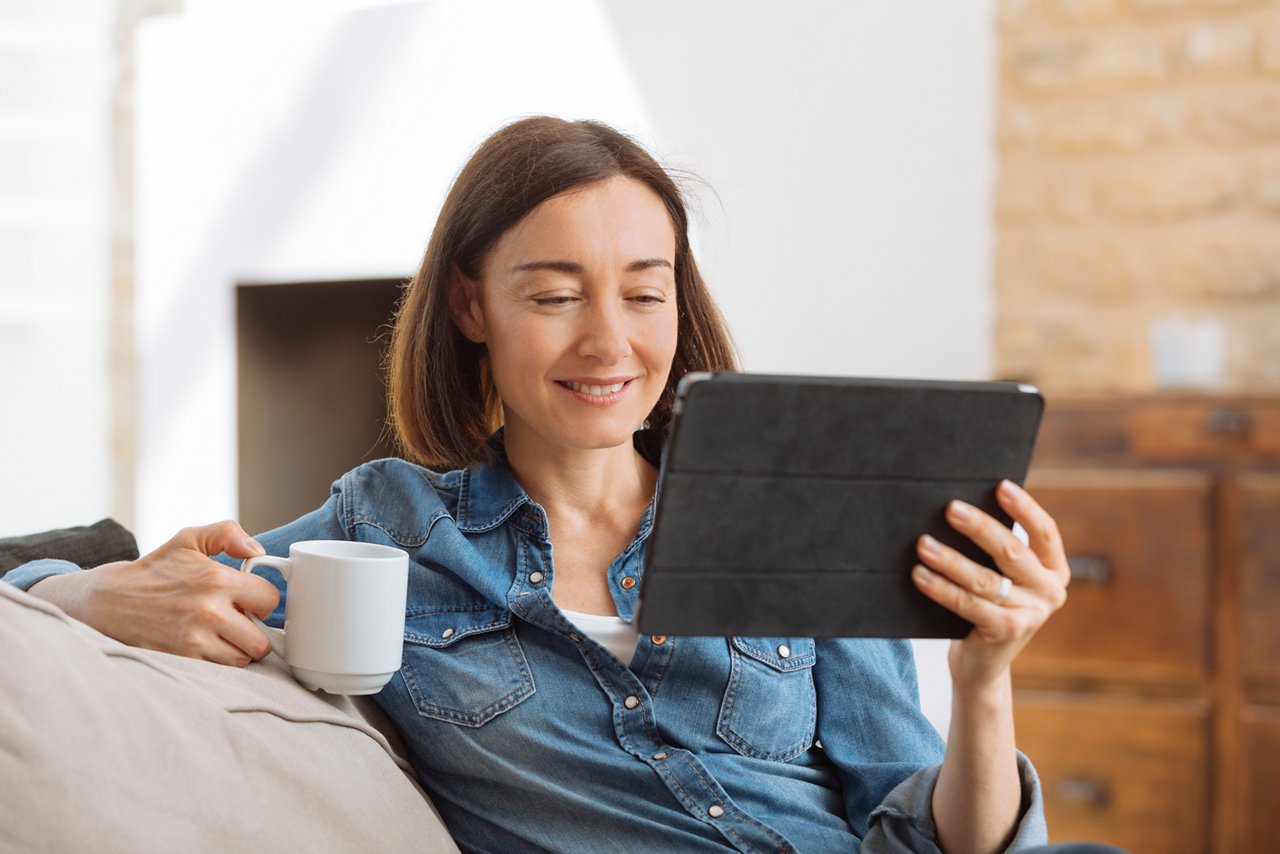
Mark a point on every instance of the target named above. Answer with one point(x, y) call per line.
point(960, 510)
point(255, 546)
point(1009, 489)
point(921, 572)
point(929, 544)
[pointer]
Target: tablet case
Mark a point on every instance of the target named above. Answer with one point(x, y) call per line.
point(791, 505)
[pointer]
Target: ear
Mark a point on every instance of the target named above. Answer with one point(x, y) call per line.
point(464, 306)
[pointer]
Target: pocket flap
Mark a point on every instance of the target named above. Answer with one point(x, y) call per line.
point(782, 654)
point(445, 628)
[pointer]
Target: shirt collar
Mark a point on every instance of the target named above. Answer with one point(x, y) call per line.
point(490, 492)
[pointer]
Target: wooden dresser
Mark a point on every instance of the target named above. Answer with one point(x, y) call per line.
point(1151, 703)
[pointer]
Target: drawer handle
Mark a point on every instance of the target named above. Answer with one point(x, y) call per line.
point(1082, 790)
point(1090, 569)
point(1228, 422)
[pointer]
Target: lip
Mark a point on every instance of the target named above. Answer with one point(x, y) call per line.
point(597, 399)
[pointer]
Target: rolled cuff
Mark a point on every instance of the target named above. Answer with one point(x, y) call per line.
point(28, 575)
point(903, 823)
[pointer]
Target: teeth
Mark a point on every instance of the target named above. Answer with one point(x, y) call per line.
point(596, 390)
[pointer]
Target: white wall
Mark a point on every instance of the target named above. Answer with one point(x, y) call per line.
point(845, 228)
point(849, 146)
point(846, 147)
point(55, 417)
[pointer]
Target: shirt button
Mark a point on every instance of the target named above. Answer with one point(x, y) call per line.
point(658, 639)
point(446, 634)
point(659, 756)
point(631, 702)
point(784, 651)
point(715, 810)
point(628, 582)
point(536, 577)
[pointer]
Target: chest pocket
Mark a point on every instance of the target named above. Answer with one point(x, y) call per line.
point(465, 667)
point(770, 707)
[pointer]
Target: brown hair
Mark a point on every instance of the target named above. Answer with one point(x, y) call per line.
point(443, 403)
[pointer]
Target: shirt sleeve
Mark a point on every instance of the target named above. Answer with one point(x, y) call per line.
point(28, 575)
point(887, 753)
point(904, 820)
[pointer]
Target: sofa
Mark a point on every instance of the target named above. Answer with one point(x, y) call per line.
point(108, 748)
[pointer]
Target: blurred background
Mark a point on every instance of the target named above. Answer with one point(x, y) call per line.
point(207, 206)
point(158, 155)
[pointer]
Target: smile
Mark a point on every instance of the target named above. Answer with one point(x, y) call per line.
point(595, 390)
point(593, 394)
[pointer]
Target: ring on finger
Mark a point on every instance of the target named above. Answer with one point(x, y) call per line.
point(1002, 592)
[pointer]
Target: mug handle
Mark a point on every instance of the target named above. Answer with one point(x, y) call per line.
point(286, 569)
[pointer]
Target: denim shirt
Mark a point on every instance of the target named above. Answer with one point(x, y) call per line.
point(528, 735)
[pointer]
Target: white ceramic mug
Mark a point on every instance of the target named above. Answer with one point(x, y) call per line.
point(343, 615)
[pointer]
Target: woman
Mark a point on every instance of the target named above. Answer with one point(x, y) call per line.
point(559, 301)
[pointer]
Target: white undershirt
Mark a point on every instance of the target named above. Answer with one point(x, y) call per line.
point(613, 633)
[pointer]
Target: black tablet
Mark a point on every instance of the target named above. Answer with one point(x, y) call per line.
point(791, 505)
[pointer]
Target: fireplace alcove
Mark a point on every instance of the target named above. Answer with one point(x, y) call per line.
point(310, 390)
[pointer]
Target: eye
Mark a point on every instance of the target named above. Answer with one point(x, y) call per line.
point(554, 301)
point(649, 299)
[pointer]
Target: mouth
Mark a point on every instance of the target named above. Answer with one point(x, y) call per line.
point(595, 390)
point(597, 394)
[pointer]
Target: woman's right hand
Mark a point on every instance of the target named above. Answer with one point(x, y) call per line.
point(175, 599)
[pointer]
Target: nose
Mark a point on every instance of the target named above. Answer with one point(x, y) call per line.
point(604, 336)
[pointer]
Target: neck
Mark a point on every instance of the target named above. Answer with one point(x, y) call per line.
point(578, 482)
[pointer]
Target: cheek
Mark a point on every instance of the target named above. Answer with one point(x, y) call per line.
point(505, 359)
point(518, 350)
point(664, 341)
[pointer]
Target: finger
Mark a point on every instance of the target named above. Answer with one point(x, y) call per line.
point(1011, 555)
point(220, 537)
point(221, 651)
point(996, 621)
point(1042, 531)
point(960, 570)
point(254, 594)
point(241, 632)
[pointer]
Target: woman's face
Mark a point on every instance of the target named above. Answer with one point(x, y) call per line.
point(577, 306)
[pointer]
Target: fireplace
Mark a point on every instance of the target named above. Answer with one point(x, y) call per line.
point(310, 390)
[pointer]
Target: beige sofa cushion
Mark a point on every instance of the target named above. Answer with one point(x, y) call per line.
point(107, 748)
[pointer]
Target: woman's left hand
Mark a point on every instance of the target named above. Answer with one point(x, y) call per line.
point(1006, 610)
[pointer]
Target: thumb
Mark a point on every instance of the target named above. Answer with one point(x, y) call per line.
point(221, 537)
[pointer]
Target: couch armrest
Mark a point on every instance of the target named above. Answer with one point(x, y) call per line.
point(86, 546)
point(115, 749)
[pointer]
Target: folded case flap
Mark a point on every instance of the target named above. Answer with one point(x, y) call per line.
point(792, 505)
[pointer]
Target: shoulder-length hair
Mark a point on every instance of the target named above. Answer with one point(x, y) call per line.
point(443, 403)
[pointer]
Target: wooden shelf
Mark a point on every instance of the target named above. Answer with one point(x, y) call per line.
point(1151, 703)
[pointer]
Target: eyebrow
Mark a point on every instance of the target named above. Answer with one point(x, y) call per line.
point(574, 267)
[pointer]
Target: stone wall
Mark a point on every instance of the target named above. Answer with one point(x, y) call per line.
point(1138, 199)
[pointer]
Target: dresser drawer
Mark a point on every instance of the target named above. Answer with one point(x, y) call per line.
point(1160, 430)
point(1259, 602)
point(1138, 604)
point(1122, 771)
point(1206, 430)
point(1259, 807)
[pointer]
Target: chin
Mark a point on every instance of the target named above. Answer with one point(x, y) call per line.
point(599, 437)
point(590, 431)
point(603, 441)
